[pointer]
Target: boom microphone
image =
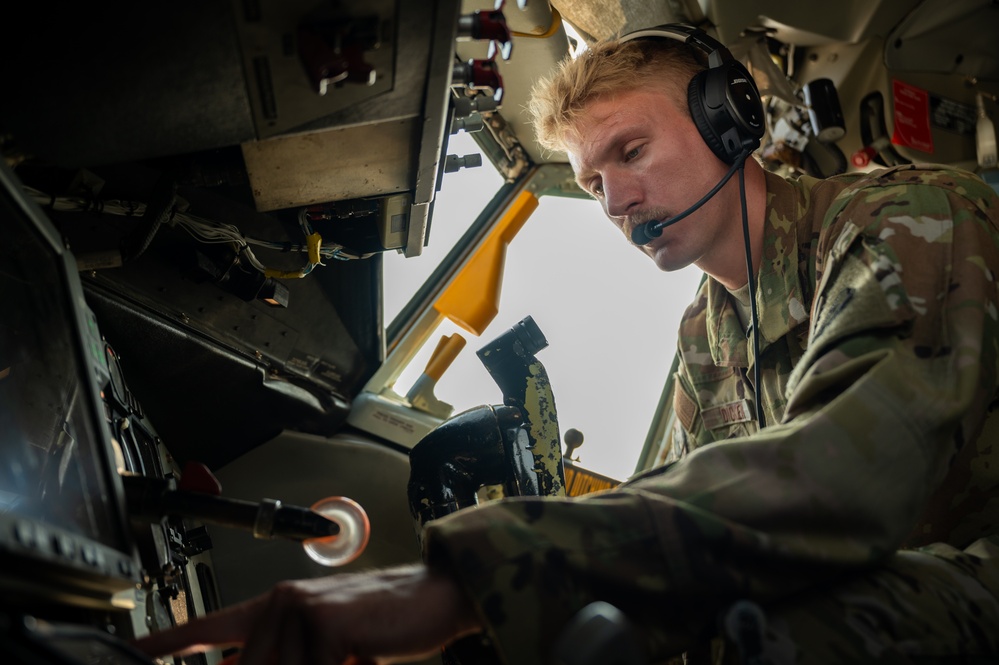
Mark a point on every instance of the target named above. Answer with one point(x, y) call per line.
point(645, 233)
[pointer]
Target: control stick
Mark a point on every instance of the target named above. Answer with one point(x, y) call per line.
point(334, 531)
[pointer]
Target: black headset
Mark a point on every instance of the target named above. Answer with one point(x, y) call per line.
point(726, 107)
point(723, 99)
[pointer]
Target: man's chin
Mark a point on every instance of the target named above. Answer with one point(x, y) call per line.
point(665, 260)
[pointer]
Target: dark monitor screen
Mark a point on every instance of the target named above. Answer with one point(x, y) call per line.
point(58, 498)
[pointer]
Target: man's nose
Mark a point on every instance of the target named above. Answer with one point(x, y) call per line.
point(621, 195)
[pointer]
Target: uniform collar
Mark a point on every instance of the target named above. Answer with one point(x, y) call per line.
point(779, 298)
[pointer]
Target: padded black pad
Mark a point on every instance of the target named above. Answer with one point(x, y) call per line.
point(695, 101)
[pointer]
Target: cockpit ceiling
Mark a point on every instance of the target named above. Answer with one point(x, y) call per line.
point(918, 32)
point(800, 23)
point(952, 39)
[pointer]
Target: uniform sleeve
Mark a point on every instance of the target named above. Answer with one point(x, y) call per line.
point(900, 369)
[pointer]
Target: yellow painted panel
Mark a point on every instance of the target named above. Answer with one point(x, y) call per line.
point(472, 299)
point(580, 481)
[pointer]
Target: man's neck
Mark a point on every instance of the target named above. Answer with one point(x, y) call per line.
point(727, 263)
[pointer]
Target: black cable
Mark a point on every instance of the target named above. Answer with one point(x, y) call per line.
point(159, 211)
point(644, 233)
point(755, 323)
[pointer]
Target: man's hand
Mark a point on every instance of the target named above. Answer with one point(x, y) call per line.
point(391, 615)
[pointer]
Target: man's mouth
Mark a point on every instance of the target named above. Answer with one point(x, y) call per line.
point(643, 220)
point(650, 216)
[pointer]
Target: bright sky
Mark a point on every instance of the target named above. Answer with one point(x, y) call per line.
point(610, 316)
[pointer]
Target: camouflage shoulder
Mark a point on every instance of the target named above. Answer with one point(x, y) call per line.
point(961, 182)
point(924, 190)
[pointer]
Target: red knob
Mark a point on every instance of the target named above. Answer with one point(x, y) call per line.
point(196, 477)
point(863, 157)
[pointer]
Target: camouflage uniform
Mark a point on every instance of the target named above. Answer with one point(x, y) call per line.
point(860, 519)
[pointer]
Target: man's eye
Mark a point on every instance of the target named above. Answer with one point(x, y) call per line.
point(631, 154)
point(597, 188)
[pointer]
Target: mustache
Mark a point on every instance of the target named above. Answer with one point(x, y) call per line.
point(652, 215)
point(646, 216)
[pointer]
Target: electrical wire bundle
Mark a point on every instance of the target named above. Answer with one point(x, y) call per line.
point(209, 231)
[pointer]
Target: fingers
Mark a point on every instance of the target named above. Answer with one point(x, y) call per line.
point(265, 639)
point(318, 636)
point(356, 619)
point(285, 631)
point(224, 628)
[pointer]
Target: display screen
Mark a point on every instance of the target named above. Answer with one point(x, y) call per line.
point(52, 461)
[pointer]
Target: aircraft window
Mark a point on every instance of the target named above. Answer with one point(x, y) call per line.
point(609, 315)
point(463, 195)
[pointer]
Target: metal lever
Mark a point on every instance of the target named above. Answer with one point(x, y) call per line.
point(153, 499)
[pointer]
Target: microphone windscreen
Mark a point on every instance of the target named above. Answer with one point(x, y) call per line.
point(643, 234)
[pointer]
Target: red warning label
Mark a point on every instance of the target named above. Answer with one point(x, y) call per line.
point(912, 117)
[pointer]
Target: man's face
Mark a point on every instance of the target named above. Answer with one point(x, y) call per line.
point(642, 158)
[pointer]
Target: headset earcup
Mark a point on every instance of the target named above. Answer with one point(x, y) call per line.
point(695, 101)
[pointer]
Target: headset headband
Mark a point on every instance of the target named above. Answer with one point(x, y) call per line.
point(724, 101)
point(716, 51)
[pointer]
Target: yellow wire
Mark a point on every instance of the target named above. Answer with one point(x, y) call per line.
point(314, 242)
point(284, 274)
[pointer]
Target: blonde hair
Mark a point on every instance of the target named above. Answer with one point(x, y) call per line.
point(607, 68)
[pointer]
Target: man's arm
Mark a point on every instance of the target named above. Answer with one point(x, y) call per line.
point(401, 614)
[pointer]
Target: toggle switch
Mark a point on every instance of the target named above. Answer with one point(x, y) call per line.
point(454, 163)
point(491, 25)
point(332, 51)
point(479, 74)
